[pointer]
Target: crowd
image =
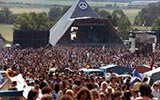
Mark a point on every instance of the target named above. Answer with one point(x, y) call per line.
point(35, 64)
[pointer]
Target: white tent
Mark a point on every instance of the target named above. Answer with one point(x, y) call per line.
point(153, 75)
point(80, 9)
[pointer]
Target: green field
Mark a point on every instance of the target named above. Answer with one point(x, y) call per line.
point(131, 13)
point(61, 2)
point(7, 31)
point(28, 10)
point(44, 2)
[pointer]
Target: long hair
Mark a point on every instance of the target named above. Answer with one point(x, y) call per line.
point(84, 90)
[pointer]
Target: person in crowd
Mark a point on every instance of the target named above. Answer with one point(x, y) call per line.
point(13, 86)
point(84, 94)
point(58, 92)
point(155, 90)
point(102, 96)
point(103, 87)
point(66, 97)
point(47, 97)
point(32, 95)
point(46, 90)
point(75, 89)
point(69, 92)
point(145, 80)
point(136, 85)
point(113, 83)
point(127, 83)
point(134, 93)
point(110, 91)
point(117, 95)
point(145, 92)
point(95, 94)
point(127, 95)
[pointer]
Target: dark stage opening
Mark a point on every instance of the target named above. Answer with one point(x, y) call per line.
point(87, 34)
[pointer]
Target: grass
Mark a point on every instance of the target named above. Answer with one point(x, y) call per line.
point(6, 31)
point(131, 13)
point(28, 10)
point(62, 2)
point(142, 27)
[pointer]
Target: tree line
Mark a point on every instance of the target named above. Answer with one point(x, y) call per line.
point(149, 16)
point(6, 16)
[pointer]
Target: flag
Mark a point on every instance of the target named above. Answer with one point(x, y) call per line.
point(152, 61)
point(135, 73)
point(21, 84)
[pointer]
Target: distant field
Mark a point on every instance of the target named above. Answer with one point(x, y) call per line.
point(28, 10)
point(62, 2)
point(7, 31)
point(43, 2)
point(131, 13)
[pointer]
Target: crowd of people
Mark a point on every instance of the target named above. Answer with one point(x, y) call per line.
point(35, 64)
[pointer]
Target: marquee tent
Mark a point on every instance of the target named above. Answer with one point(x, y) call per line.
point(85, 25)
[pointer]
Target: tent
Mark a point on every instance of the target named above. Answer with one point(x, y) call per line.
point(116, 69)
point(153, 75)
point(84, 25)
point(143, 68)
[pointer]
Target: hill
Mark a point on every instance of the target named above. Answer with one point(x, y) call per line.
point(66, 1)
point(73, 0)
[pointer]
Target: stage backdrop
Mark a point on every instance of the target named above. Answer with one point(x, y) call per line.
point(28, 38)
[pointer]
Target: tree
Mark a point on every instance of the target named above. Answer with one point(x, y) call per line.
point(54, 14)
point(65, 9)
point(117, 15)
point(6, 16)
point(156, 24)
point(124, 27)
point(147, 15)
point(103, 13)
point(118, 19)
point(32, 21)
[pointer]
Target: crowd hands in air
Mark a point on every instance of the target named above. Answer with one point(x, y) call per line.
point(35, 65)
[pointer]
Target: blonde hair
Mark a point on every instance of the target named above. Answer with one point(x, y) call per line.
point(69, 92)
